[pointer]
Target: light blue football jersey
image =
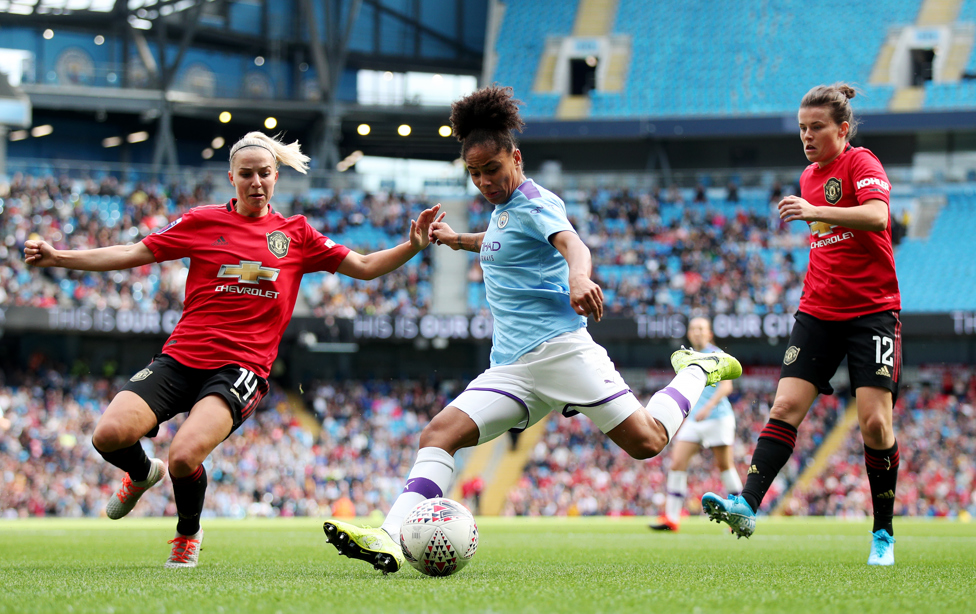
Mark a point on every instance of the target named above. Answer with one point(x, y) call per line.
point(724, 407)
point(526, 278)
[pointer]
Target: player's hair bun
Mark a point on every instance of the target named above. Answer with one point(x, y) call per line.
point(490, 109)
point(848, 91)
point(836, 98)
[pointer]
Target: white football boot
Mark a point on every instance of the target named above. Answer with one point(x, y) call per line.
point(128, 494)
point(186, 550)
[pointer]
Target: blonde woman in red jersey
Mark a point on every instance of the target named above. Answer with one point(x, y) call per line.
point(849, 308)
point(246, 265)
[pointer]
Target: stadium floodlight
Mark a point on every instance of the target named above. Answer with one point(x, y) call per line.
point(404, 130)
point(112, 141)
point(48, 34)
point(444, 131)
point(18, 135)
point(207, 153)
point(363, 129)
point(270, 123)
point(44, 130)
point(218, 142)
point(224, 117)
point(99, 40)
point(259, 61)
point(138, 137)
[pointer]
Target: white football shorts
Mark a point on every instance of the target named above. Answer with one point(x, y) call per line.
point(570, 373)
point(708, 433)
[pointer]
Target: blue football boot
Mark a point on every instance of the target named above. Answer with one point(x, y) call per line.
point(882, 548)
point(733, 511)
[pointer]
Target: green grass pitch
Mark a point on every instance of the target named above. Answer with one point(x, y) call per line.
point(539, 565)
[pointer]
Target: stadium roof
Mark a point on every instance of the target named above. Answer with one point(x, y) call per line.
point(41, 7)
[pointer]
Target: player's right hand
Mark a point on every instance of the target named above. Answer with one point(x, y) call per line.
point(39, 253)
point(442, 234)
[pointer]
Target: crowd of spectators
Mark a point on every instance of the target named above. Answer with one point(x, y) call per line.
point(351, 459)
point(684, 251)
point(935, 424)
point(83, 214)
point(367, 222)
point(574, 470)
point(344, 448)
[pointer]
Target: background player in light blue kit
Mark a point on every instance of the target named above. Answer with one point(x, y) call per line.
point(537, 277)
point(710, 424)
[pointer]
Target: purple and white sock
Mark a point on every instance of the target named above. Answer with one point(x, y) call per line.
point(430, 477)
point(671, 405)
point(677, 491)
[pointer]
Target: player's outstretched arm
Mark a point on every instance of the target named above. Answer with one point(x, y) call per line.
point(114, 258)
point(371, 266)
point(585, 295)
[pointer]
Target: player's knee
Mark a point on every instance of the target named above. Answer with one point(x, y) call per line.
point(183, 461)
point(109, 437)
point(650, 446)
point(786, 410)
point(874, 428)
point(449, 434)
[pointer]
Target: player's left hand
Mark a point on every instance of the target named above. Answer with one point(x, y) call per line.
point(795, 208)
point(420, 228)
point(586, 297)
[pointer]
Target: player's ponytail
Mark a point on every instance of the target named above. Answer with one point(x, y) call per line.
point(836, 99)
point(487, 116)
point(289, 155)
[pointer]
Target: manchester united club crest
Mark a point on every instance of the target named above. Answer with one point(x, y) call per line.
point(503, 219)
point(278, 243)
point(141, 375)
point(792, 353)
point(833, 190)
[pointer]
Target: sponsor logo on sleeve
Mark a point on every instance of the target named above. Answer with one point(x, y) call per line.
point(329, 244)
point(833, 190)
point(170, 225)
point(863, 183)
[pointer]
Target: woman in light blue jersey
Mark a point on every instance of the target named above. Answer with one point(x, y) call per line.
point(537, 278)
point(710, 424)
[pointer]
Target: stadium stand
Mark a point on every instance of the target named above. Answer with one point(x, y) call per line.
point(575, 470)
point(84, 214)
point(695, 62)
point(272, 467)
point(930, 268)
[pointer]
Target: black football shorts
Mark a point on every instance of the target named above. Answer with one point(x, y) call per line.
point(871, 343)
point(169, 388)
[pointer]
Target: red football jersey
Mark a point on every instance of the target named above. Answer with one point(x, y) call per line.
point(242, 284)
point(851, 272)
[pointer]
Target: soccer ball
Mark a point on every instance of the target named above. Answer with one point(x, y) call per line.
point(439, 537)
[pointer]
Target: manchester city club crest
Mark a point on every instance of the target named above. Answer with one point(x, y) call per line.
point(503, 219)
point(833, 190)
point(278, 243)
point(792, 353)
